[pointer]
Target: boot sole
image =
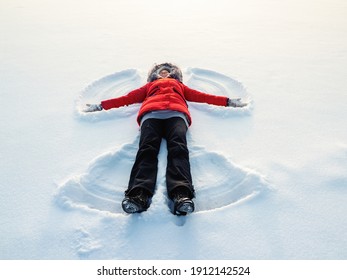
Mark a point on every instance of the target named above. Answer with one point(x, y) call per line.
point(184, 208)
point(131, 207)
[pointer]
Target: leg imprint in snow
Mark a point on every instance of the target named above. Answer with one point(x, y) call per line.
point(102, 186)
point(219, 182)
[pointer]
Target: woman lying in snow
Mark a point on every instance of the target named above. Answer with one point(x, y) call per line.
point(163, 114)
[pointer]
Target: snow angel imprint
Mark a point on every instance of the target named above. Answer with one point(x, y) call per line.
point(163, 114)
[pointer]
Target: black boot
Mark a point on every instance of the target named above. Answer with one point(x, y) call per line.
point(137, 201)
point(182, 202)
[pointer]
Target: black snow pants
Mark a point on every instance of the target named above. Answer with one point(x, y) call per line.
point(145, 168)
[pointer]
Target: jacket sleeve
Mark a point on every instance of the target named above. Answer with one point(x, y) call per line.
point(134, 96)
point(201, 97)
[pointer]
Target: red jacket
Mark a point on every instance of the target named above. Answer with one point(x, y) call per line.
point(164, 94)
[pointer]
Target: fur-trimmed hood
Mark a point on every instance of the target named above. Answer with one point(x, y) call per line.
point(175, 72)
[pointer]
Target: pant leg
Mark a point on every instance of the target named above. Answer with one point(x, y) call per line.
point(145, 168)
point(178, 166)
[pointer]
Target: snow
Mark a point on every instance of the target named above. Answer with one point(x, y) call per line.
point(270, 178)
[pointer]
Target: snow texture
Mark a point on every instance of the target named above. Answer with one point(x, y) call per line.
point(270, 178)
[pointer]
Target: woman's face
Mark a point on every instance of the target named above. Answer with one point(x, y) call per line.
point(164, 73)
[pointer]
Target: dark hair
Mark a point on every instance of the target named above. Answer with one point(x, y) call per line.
point(175, 72)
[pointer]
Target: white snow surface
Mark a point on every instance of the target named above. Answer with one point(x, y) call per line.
point(270, 178)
